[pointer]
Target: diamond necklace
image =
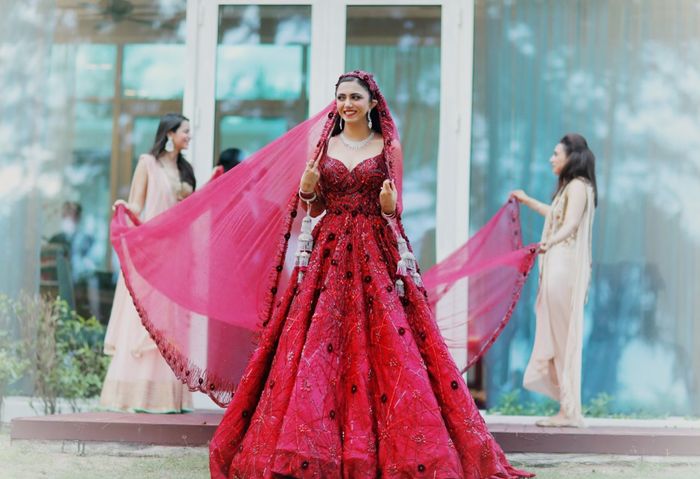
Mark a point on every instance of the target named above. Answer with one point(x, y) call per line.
point(355, 145)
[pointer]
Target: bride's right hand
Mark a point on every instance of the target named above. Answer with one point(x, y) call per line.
point(311, 175)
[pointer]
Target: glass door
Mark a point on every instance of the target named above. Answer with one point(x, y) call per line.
point(400, 45)
point(262, 67)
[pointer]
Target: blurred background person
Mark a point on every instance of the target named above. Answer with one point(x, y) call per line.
point(228, 158)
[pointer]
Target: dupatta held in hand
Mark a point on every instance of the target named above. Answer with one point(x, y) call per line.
point(217, 261)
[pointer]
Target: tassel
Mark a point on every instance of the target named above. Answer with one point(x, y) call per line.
point(401, 268)
point(407, 265)
point(417, 279)
point(409, 260)
point(306, 242)
point(302, 259)
point(401, 245)
point(399, 287)
point(406, 256)
point(306, 224)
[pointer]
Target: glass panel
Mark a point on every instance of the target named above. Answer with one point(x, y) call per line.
point(260, 79)
point(401, 46)
point(251, 133)
point(92, 66)
point(142, 137)
point(67, 69)
point(89, 173)
point(154, 71)
point(618, 73)
point(262, 73)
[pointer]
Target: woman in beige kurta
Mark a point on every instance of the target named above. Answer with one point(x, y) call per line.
point(138, 378)
point(554, 368)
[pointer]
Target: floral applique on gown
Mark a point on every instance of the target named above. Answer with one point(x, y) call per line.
point(350, 380)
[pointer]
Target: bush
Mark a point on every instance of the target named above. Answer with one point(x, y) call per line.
point(510, 404)
point(61, 351)
point(12, 364)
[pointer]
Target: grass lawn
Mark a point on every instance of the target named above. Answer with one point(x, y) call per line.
point(54, 460)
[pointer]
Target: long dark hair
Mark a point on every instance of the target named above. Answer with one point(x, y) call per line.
point(170, 122)
point(230, 157)
point(580, 163)
point(374, 115)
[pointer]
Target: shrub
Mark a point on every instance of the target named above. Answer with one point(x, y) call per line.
point(60, 350)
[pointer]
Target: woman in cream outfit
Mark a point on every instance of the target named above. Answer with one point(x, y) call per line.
point(138, 378)
point(554, 368)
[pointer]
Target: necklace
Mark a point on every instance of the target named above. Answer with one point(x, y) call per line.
point(355, 145)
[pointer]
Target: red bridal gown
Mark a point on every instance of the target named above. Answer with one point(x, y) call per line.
point(350, 380)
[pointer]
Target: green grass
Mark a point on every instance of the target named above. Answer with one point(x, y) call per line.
point(614, 470)
point(30, 460)
point(512, 404)
point(34, 459)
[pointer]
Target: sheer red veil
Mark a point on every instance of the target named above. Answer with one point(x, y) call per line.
point(205, 274)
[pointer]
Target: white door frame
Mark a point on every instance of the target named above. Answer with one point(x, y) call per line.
point(327, 62)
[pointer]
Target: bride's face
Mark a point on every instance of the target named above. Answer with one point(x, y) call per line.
point(352, 102)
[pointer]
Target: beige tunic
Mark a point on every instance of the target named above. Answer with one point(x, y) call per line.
point(554, 368)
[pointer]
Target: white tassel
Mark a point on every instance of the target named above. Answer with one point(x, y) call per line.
point(306, 242)
point(399, 287)
point(417, 279)
point(306, 224)
point(409, 260)
point(407, 266)
point(302, 259)
point(401, 269)
point(406, 256)
point(401, 245)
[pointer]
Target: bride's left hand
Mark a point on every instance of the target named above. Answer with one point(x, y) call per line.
point(387, 197)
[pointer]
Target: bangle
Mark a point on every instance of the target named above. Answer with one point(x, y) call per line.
point(389, 216)
point(308, 197)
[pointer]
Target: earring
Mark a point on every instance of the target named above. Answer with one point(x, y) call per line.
point(369, 120)
point(341, 123)
point(169, 145)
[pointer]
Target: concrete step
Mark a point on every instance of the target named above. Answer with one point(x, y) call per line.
point(675, 437)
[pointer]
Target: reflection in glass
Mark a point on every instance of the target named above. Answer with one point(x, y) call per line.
point(252, 133)
point(252, 72)
point(262, 73)
point(401, 47)
point(92, 67)
point(618, 73)
point(142, 136)
point(69, 69)
point(154, 71)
